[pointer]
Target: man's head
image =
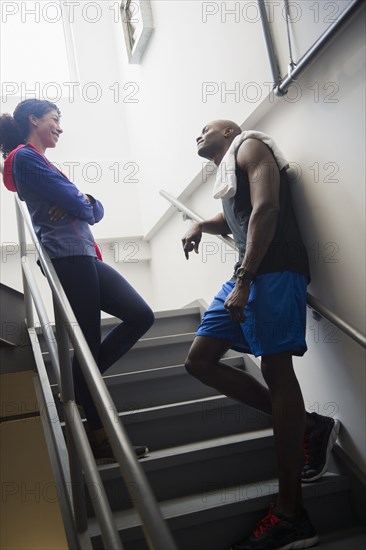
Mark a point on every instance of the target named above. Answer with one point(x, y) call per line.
point(216, 138)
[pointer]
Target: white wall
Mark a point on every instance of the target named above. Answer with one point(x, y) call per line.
point(192, 54)
point(94, 149)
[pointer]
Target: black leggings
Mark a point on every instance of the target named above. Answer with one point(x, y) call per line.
point(92, 286)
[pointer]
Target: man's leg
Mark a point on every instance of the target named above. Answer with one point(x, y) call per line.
point(203, 362)
point(288, 414)
point(287, 524)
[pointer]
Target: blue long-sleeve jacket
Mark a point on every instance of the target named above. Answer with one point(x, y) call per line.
point(41, 186)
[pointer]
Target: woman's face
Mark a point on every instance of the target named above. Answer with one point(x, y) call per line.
point(47, 128)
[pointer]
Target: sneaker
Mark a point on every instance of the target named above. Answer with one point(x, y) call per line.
point(278, 533)
point(317, 447)
point(103, 453)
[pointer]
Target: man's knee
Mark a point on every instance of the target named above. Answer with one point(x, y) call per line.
point(196, 366)
point(275, 368)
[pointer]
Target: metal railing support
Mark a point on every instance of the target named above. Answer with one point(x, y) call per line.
point(67, 395)
point(153, 525)
point(281, 86)
point(43, 318)
point(271, 52)
point(23, 252)
point(101, 505)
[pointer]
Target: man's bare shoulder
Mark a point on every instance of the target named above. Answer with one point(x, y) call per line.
point(253, 151)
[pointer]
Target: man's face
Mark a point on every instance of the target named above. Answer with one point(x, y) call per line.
point(211, 141)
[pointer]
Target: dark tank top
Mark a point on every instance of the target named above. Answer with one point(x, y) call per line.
point(286, 251)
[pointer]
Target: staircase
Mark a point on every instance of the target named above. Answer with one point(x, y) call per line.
point(211, 463)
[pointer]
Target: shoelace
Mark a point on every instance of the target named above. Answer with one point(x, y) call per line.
point(266, 523)
point(307, 449)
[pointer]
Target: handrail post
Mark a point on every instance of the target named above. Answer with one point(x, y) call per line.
point(23, 254)
point(273, 61)
point(44, 321)
point(109, 532)
point(157, 534)
point(67, 394)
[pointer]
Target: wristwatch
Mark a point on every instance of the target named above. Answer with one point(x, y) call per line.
point(243, 274)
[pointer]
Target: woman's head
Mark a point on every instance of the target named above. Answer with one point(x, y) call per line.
point(16, 129)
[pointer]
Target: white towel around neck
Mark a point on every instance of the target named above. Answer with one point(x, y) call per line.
point(225, 183)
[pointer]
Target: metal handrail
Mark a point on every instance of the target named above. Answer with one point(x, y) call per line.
point(312, 302)
point(155, 529)
point(281, 86)
point(190, 215)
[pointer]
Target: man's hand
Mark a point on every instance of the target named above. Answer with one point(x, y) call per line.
point(192, 239)
point(57, 213)
point(237, 300)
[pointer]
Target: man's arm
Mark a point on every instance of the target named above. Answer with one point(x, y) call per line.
point(215, 226)
point(257, 161)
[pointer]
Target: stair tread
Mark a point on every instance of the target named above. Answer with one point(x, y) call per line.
point(189, 452)
point(244, 497)
point(353, 538)
point(223, 442)
point(164, 314)
point(164, 340)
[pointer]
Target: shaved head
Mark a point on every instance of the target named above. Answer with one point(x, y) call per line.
point(226, 124)
point(216, 138)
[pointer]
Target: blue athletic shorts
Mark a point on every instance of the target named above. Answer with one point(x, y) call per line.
point(275, 316)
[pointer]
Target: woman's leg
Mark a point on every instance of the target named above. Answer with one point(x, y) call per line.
point(79, 278)
point(120, 299)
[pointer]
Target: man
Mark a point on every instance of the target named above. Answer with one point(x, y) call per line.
point(262, 310)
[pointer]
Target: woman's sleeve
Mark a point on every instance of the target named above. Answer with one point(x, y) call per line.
point(33, 173)
point(97, 208)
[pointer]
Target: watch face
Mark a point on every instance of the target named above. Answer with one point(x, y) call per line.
point(242, 273)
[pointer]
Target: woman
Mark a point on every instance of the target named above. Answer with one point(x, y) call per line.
point(61, 216)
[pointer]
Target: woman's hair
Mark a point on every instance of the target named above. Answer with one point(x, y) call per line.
point(15, 129)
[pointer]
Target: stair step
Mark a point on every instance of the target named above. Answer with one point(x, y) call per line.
point(166, 322)
point(353, 538)
point(158, 386)
point(190, 421)
point(197, 467)
point(185, 320)
point(219, 518)
point(147, 353)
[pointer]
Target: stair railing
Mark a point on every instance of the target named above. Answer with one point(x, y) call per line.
point(295, 70)
point(319, 310)
point(80, 455)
